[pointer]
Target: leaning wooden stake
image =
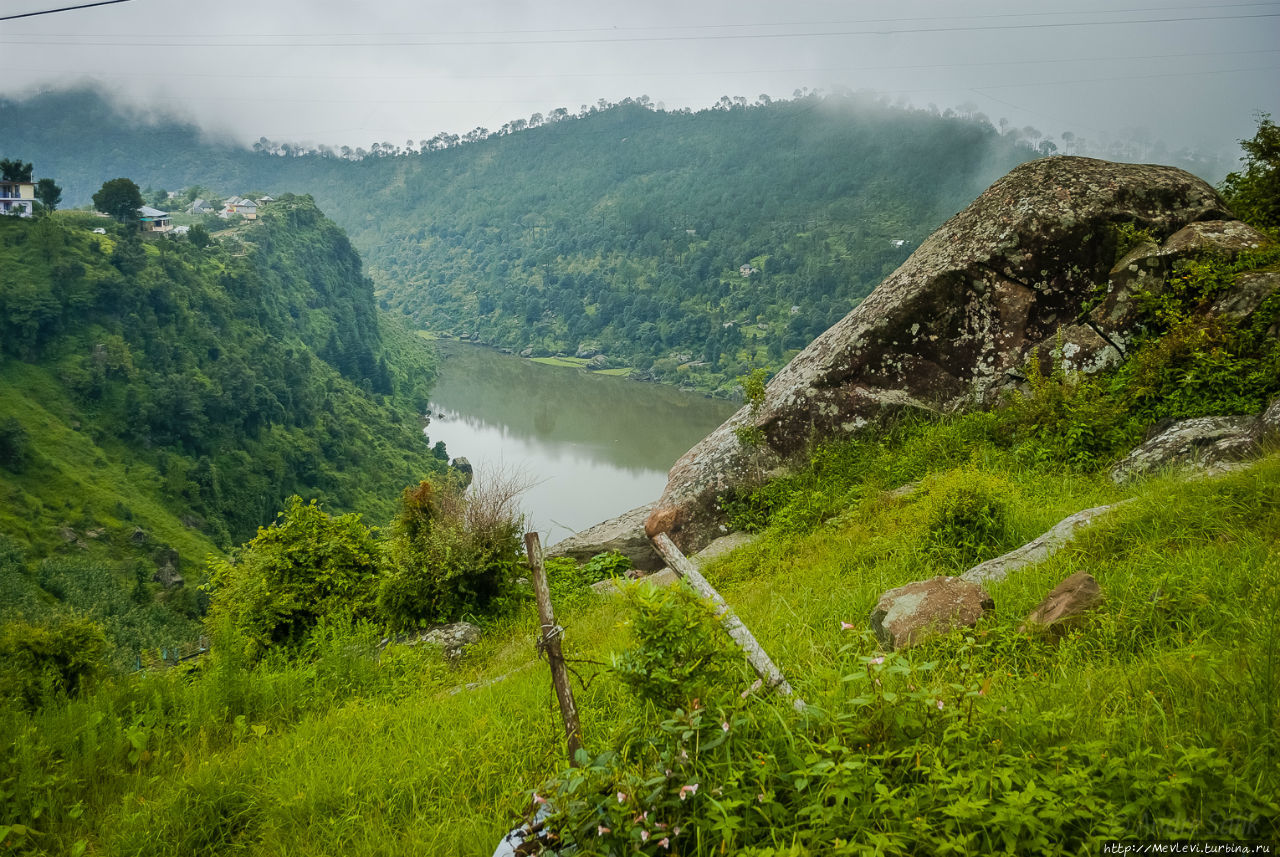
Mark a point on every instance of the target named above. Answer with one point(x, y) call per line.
point(756, 655)
point(550, 643)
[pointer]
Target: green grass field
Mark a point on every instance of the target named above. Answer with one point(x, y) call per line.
point(345, 754)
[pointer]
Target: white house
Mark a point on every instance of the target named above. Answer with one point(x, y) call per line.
point(17, 197)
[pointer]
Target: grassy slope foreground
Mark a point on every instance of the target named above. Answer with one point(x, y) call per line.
point(162, 396)
point(1157, 719)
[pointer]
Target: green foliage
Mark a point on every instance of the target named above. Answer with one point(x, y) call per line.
point(450, 554)
point(968, 516)
point(753, 387)
point(229, 376)
point(41, 661)
point(1130, 236)
point(49, 194)
point(119, 198)
point(305, 566)
point(13, 444)
point(679, 651)
point(15, 170)
point(604, 566)
point(1254, 192)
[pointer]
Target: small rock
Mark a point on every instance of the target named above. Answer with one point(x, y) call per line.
point(598, 362)
point(910, 614)
point(1065, 607)
point(452, 638)
point(167, 574)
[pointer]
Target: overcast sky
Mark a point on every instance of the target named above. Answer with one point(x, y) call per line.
point(352, 73)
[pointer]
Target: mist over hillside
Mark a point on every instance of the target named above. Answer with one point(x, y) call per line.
point(688, 247)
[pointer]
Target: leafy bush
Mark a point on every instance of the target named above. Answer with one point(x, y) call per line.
point(41, 660)
point(679, 650)
point(304, 566)
point(968, 516)
point(453, 552)
point(1254, 193)
point(603, 566)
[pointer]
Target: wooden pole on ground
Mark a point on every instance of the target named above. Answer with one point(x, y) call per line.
point(756, 655)
point(549, 642)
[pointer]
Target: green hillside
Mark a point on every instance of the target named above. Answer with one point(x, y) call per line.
point(160, 399)
point(622, 230)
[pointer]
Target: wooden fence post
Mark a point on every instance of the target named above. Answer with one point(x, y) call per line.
point(549, 642)
point(756, 655)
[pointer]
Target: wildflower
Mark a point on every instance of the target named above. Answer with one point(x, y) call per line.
point(760, 798)
point(539, 799)
point(601, 830)
point(691, 789)
point(664, 842)
point(846, 626)
point(622, 798)
point(675, 831)
point(725, 725)
point(644, 836)
point(939, 704)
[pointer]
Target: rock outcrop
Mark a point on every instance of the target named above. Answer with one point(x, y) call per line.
point(911, 614)
point(1197, 442)
point(1011, 279)
point(1038, 549)
point(1065, 607)
point(624, 534)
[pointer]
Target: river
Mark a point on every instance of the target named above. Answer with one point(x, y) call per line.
point(591, 446)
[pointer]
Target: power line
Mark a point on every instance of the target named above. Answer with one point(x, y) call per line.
point(690, 27)
point(63, 9)
point(630, 74)
point(636, 39)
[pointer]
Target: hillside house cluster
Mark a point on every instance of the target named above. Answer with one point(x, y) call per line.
point(17, 198)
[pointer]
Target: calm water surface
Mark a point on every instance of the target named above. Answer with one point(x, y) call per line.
point(595, 446)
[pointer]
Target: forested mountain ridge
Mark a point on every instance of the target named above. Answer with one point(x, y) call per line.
point(623, 229)
point(169, 395)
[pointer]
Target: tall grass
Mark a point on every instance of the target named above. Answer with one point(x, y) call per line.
point(354, 753)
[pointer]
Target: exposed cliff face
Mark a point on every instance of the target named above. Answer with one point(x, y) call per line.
point(958, 321)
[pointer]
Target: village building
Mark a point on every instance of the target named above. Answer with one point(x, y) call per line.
point(17, 198)
point(153, 219)
point(246, 208)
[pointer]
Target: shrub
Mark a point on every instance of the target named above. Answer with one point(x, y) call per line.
point(679, 651)
point(453, 551)
point(41, 661)
point(968, 515)
point(303, 566)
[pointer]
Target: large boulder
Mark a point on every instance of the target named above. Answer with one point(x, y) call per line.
point(957, 322)
point(911, 614)
point(624, 534)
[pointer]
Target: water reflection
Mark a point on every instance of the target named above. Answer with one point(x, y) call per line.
point(596, 446)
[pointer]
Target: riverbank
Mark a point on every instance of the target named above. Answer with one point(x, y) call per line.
point(680, 372)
